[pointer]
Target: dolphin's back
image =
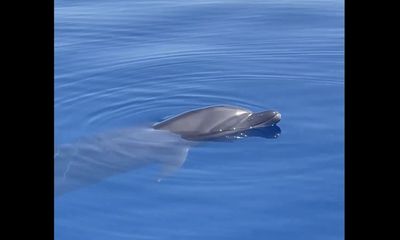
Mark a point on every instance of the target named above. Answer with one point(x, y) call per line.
point(205, 121)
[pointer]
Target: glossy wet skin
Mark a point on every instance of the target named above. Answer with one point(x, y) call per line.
point(264, 119)
point(217, 121)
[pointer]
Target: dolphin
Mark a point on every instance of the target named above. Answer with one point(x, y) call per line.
point(217, 121)
point(167, 143)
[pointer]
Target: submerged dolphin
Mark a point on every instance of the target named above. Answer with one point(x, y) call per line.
point(93, 159)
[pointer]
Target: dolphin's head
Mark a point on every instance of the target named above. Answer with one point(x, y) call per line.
point(264, 119)
point(217, 121)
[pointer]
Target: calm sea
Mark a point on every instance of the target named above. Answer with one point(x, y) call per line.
point(130, 63)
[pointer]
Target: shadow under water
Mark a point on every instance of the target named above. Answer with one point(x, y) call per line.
point(265, 132)
point(93, 159)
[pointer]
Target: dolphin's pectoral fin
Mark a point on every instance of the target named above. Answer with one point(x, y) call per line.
point(170, 165)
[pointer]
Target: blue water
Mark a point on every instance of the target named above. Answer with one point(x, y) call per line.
point(121, 64)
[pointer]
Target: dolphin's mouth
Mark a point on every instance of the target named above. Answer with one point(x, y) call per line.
point(277, 117)
point(263, 119)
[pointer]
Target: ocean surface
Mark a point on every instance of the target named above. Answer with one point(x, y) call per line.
point(126, 64)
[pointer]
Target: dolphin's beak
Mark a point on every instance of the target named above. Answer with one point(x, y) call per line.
point(277, 117)
point(263, 119)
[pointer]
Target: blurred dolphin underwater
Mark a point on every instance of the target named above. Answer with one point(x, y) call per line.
point(95, 158)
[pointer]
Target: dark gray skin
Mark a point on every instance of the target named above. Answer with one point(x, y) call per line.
point(217, 121)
